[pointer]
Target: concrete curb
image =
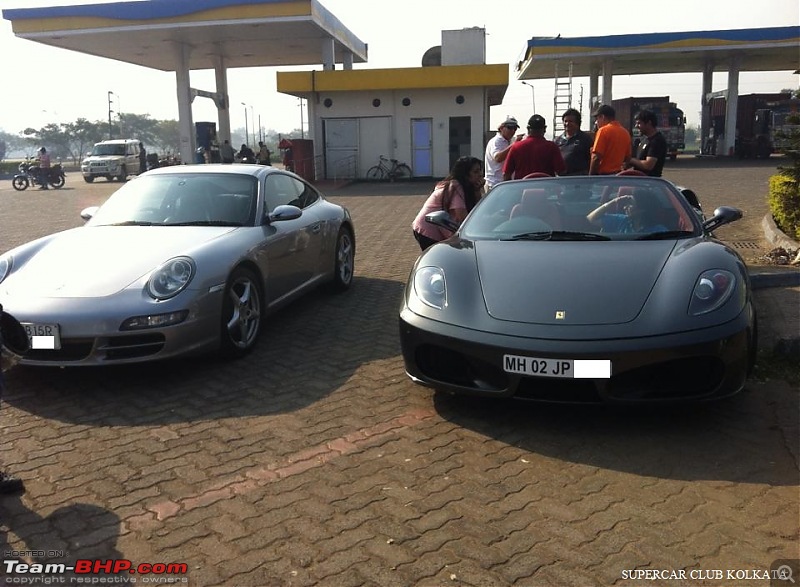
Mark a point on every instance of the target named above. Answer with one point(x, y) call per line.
point(775, 235)
point(761, 278)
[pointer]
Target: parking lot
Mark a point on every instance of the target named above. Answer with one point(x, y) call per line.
point(315, 461)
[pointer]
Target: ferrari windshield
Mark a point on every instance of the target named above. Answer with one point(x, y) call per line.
point(182, 199)
point(598, 208)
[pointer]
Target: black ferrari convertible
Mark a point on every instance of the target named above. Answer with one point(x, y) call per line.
point(582, 289)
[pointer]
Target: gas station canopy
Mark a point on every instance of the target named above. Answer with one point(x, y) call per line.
point(765, 49)
point(245, 33)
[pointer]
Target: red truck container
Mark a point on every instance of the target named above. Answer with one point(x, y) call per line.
point(757, 118)
point(671, 121)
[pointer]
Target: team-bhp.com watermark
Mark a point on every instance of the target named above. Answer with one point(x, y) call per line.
point(94, 571)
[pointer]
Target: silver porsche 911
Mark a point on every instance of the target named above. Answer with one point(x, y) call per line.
point(181, 260)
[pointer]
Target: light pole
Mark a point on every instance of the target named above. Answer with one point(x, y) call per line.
point(110, 111)
point(253, 122)
point(302, 122)
point(533, 95)
point(246, 136)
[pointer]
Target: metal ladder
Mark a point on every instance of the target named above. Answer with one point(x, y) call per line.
point(562, 99)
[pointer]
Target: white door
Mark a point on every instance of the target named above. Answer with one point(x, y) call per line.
point(341, 148)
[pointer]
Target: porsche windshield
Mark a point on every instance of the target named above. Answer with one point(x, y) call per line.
point(598, 208)
point(185, 199)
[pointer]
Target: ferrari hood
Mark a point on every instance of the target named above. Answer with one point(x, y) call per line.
point(100, 261)
point(569, 283)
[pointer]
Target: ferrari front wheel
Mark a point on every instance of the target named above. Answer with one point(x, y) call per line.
point(241, 313)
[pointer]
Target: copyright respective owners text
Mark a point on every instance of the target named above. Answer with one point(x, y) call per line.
point(780, 572)
point(24, 571)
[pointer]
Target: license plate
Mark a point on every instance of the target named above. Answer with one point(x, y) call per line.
point(560, 368)
point(42, 336)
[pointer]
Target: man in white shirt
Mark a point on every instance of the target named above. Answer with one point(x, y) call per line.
point(497, 151)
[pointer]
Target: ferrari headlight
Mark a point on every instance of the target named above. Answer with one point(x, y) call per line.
point(430, 287)
point(713, 288)
point(171, 278)
point(5, 266)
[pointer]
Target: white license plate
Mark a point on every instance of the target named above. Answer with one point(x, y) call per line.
point(561, 368)
point(42, 336)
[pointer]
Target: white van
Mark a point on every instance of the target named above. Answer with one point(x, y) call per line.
point(113, 158)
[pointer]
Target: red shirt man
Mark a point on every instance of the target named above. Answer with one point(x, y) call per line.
point(534, 153)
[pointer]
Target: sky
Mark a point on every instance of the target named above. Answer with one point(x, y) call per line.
point(45, 84)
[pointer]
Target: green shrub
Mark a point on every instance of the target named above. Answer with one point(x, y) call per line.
point(8, 167)
point(784, 203)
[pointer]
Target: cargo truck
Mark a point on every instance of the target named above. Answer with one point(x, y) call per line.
point(760, 124)
point(671, 121)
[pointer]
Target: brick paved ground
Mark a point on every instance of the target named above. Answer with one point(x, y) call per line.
point(314, 461)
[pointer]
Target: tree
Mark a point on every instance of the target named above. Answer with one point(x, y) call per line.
point(141, 127)
point(83, 134)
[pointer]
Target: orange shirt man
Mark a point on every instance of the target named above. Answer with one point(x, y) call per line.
point(612, 144)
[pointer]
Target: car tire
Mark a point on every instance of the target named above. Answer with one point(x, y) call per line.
point(123, 174)
point(240, 322)
point(88, 178)
point(344, 261)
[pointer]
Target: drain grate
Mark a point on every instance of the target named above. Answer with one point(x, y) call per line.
point(745, 245)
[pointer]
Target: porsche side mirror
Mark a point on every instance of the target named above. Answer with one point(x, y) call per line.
point(284, 212)
point(87, 213)
point(722, 216)
point(442, 218)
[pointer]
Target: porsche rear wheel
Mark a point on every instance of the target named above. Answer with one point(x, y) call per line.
point(344, 263)
point(241, 313)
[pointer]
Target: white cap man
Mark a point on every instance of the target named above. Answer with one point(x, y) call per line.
point(497, 151)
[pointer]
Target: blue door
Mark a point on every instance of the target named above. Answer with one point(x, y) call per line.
point(422, 147)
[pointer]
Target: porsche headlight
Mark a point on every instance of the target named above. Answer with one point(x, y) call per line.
point(430, 287)
point(170, 278)
point(5, 266)
point(713, 288)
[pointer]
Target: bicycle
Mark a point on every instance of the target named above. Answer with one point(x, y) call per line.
point(383, 171)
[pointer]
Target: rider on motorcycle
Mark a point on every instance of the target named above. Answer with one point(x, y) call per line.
point(44, 168)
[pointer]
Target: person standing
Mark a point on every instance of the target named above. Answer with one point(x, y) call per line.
point(226, 152)
point(533, 154)
point(456, 194)
point(142, 158)
point(497, 151)
point(612, 143)
point(43, 160)
point(264, 155)
point(575, 144)
point(652, 151)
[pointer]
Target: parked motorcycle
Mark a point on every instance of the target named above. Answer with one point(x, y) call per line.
point(29, 176)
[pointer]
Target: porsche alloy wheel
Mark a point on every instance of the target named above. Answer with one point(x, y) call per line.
point(345, 261)
point(241, 313)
